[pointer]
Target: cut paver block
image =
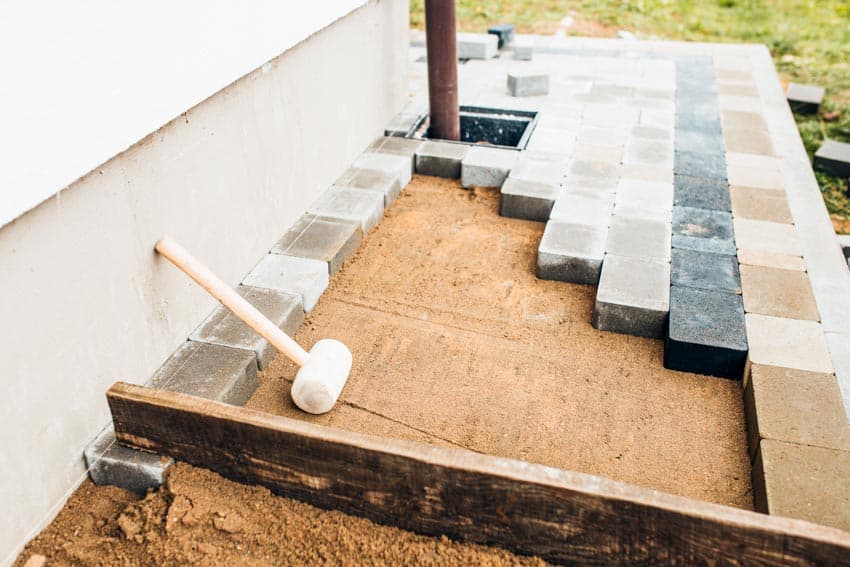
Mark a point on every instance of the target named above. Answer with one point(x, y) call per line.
point(704, 270)
point(530, 200)
point(804, 99)
point(223, 328)
point(214, 372)
point(706, 333)
point(359, 205)
point(397, 146)
point(583, 207)
point(702, 193)
point(794, 406)
point(397, 166)
point(302, 276)
point(371, 180)
point(440, 159)
point(803, 482)
point(327, 239)
point(476, 45)
point(789, 343)
point(779, 293)
point(505, 33)
point(703, 230)
point(760, 204)
point(638, 238)
point(700, 165)
point(765, 236)
point(633, 296)
point(528, 83)
point(834, 158)
point(571, 253)
point(651, 195)
point(649, 152)
point(486, 167)
point(112, 464)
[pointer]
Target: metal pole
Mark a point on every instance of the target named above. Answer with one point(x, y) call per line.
point(442, 69)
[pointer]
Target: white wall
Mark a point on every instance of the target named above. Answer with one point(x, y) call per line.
point(86, 302)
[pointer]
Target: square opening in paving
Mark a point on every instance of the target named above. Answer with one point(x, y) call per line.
point(493, 126)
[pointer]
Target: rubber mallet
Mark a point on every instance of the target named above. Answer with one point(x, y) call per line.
point(324, 370)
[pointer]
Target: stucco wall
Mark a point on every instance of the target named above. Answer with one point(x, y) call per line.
point(85, 300)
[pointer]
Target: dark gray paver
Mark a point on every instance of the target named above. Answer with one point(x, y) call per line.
point(706, 333)
point(704, 244)
point(706, 141)
point(700, 165)
point(530, 200)
point(571, 253)
point(528, 83)
point(633, 296)
point(505, 33)
point(440, 159)
point(702, 192)
point(833, 157)
point(371, 180)
point(112, 464)
point(797, 406)
point(804, 482)
point(704, 270)
point(327, 239)
point(223, 328)
point(804, 99)
point(693, 222)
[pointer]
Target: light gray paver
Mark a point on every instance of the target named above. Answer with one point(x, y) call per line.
point(640, 151)
point(302, 276)
point(486, 167)
point(571, 253)
point(360, 205)
point(112, 464)
point(639, 238)
point(397, 146)
point(476, 45)
point(223, 328)
point(633, 296)
point(440, 159)
point(371, 180)
point(398, 166)
point(650, 195)
point(528, 83)
point(583, 207)
point(321, 238)
point(530, 200)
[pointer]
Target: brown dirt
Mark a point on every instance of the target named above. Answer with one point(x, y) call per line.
point(457, 343)
point(200, 518)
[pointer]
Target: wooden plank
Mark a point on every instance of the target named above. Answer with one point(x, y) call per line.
point(558, 515)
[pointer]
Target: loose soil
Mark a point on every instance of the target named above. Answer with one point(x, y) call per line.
point(456, 343)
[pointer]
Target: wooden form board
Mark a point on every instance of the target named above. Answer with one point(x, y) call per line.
point(558, 515)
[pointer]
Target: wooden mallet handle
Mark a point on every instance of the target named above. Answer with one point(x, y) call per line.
point(228, 297)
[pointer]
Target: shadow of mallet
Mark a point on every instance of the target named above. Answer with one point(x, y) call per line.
point(324, 370)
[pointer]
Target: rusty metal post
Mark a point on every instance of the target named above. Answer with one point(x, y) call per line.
point(441, 41)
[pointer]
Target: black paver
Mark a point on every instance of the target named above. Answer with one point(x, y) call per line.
point(704, 270)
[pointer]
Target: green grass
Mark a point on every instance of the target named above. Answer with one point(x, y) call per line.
point(809, 40)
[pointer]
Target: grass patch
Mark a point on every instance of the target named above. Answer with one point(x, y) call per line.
point(809, 41)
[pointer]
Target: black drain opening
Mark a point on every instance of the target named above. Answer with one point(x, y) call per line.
point(491, 126)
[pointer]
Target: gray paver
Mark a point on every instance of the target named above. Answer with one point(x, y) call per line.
point(523, 51)
point(704, 270)
point(362, 206)
point(223, 328)
point(833, 157)
point(530, 200)
point(398, 166)
point(649, 152)
point(633, 296)
point(540, 168)
point(693, 223)
point(401, 124)
point(700, 165)
point(571, 253)
point(528, 83)
point(486, 167)
point(112, 464)
point(639, 238)
point(397, 146)
point(327, 239)
point(702, 193)
point(305, 277)
point(583, 207)
point(476, 45)
point(706, 333)
point(440, 159)
point(641, 194)
point(371, 180)
point(804, 99)
point(700, 140)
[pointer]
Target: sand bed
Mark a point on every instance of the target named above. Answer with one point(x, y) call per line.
point(457, 343)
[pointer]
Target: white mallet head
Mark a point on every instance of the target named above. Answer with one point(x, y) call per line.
point(320, 380)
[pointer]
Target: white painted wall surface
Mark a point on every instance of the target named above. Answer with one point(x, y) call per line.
point(83, 81)
point(86, 302)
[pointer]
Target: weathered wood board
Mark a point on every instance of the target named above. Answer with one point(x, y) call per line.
point(558, 515)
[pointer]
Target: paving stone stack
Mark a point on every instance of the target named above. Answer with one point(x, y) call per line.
point(706, 332)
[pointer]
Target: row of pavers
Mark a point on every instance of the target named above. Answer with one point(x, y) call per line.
point(222, 356)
